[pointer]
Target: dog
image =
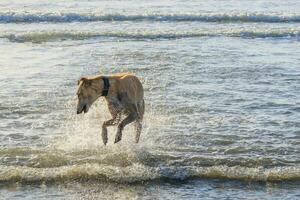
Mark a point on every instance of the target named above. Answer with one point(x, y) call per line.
point(124, 95)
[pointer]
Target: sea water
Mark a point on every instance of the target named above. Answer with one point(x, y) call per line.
point(221, 81)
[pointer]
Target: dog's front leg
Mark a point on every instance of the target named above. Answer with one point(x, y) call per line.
point(104, 134)
point(107, 123)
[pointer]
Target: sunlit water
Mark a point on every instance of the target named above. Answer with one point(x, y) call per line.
point(221, 80)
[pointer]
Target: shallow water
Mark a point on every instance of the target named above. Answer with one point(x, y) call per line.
point(221, 82)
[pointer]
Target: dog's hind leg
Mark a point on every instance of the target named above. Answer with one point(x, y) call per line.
point(138, 129)
point(138, 122)
point(130, 118)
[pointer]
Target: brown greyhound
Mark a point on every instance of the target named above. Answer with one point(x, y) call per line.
point(124, 95)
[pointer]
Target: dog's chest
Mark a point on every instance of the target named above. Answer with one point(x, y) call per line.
point(115, 102)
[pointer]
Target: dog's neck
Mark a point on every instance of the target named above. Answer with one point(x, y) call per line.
point(106, 86)
point(112, 88)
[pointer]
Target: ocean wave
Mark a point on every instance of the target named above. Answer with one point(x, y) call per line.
point(37, 37)
point(141, 173)
point(11, 17)
point(130, 164)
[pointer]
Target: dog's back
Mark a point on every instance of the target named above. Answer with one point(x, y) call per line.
point(122, 74)
point(131, 85)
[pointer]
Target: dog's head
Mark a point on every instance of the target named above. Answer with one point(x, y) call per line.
point(87, 94)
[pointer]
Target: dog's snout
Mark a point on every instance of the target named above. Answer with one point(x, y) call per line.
point(81, 109)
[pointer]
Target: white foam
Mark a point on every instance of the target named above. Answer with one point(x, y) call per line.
point(141, 173)
point(48, 36)
point(12, 17)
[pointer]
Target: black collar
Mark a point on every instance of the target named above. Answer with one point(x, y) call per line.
point(106, 86)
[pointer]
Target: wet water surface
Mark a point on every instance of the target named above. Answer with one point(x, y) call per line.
point(221, 89)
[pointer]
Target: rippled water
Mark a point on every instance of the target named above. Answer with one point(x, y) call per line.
point(221, 80)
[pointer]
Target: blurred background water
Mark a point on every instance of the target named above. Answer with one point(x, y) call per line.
point(221, 82)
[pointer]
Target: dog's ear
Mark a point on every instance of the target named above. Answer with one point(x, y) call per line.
point(83, 79)
point(88, 82)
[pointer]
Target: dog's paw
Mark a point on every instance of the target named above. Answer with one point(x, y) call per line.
point(104, 142)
